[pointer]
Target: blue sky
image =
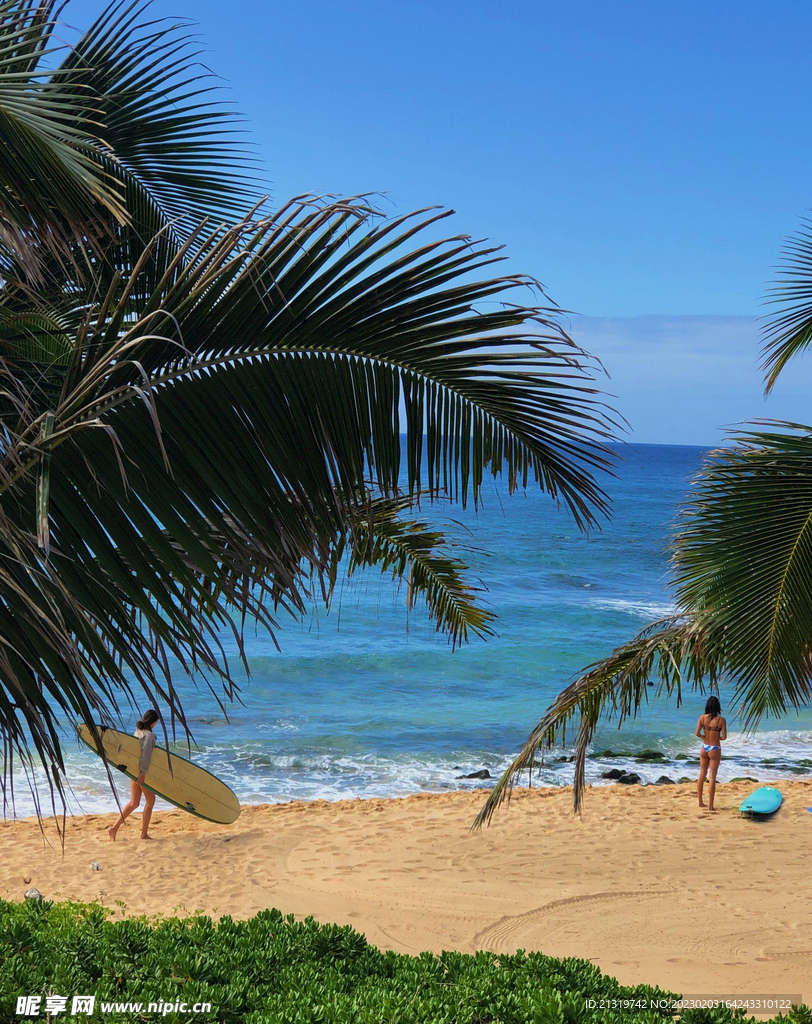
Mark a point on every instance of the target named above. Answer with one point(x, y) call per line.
point(641, 159)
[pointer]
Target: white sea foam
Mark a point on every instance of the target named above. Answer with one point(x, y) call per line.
point(258, 775)
point(640, 609)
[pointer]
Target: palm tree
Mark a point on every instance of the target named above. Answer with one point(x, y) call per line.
point(742, 575)
point(209, 409)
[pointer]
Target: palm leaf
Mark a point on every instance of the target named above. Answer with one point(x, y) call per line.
point(218, 440)
point(743, 559)
point(52, 185)
point(674, 651)
point(417, 554)
point(303, 306)
point(788, 332)
point(744, 592)
point(124, 138)
point(163, 133)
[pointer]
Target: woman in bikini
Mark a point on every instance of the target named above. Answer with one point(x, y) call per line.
point(711, 729)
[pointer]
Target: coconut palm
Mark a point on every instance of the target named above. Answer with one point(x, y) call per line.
point(209, 408)
point(742, 576)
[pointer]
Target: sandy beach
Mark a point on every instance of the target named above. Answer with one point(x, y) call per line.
point(645, 884)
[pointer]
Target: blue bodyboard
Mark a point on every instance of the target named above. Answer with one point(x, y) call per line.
point(766, 800)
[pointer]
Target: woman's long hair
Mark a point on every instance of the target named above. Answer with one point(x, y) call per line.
point(713, 707)
point(149, 719)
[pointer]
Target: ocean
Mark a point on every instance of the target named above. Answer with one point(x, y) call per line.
point(368, 700)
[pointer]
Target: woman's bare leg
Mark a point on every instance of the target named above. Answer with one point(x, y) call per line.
point(715, 759)
point(127, 809)
point(703, 771)
point(149, 803)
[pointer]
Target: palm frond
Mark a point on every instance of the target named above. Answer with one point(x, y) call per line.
point(373, 533)
point(52, 184)
point(743, 557)
point(788, 332)
point(163, 133)
point(417, 554)
point(218, 427)
point(352, 330)
point(672, 651)
point(123, 138)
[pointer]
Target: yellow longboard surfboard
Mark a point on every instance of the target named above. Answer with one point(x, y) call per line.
point(174, 778)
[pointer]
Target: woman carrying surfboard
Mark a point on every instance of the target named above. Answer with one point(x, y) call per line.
point(174, 778)
point(711, 729)
point(146, 737)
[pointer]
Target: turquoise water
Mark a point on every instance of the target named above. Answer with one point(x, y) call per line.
point(368, 700)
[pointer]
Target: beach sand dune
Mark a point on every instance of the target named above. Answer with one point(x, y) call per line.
point(645, 884)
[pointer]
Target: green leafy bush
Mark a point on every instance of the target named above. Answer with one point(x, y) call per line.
point(274, 970)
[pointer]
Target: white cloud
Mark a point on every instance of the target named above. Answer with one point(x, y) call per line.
point(685, 379)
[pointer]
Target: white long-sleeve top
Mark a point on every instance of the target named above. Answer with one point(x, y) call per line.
point(146, 737)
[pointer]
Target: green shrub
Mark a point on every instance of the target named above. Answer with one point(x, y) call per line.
point(274, 970)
